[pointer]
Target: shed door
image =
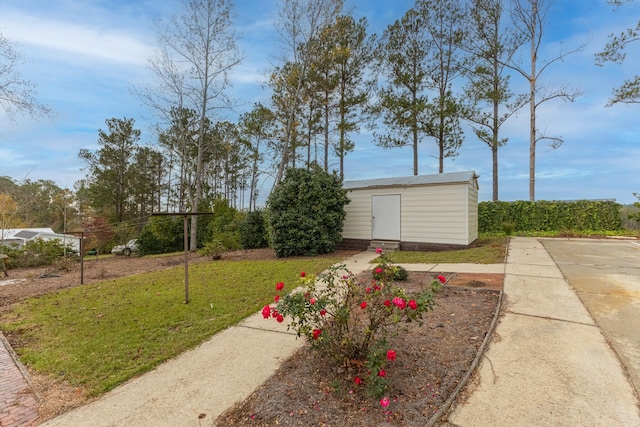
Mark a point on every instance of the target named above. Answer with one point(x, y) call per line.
point(385, 217)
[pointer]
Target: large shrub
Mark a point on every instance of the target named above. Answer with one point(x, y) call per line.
point(224, 225)
point(253, 231)
point(306, 212)
point(162, 234)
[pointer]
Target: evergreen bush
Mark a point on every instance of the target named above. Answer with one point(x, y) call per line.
point(306, 212)
point(253, 232)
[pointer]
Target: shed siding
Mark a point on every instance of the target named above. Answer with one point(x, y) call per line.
point(432, 213)
point(432, 209)
point(472, 206)
point(435, 214)
point(357, 224)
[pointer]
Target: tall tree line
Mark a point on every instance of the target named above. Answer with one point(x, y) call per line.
point(443, 64)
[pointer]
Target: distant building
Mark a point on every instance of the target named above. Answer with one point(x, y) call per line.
point(19, 236)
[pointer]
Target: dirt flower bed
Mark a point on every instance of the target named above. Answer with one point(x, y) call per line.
point(431, 360)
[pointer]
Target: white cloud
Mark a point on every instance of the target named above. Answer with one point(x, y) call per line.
point(68, 40)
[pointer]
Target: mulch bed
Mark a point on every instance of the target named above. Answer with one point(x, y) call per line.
point(432, 359)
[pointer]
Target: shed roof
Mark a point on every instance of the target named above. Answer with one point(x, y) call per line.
point(440, 178)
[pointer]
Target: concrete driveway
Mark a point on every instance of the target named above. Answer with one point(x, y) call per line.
point(606, 276)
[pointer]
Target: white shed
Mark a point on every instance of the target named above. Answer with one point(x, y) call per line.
point(422, 212)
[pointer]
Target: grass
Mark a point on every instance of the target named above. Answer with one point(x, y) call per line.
point(490, 250)
point(100, 335)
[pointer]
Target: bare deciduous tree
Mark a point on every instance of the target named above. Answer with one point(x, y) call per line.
point(16, 93)
point(197, 51)
point(529, 19)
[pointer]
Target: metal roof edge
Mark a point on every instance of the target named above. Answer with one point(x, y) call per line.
point(432, 179)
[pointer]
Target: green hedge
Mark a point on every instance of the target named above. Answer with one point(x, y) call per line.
point(549, 216)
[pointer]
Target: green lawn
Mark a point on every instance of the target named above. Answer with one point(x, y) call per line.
point(490, 250)
point(100, 335)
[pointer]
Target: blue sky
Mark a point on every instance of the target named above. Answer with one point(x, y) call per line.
point(85, 55)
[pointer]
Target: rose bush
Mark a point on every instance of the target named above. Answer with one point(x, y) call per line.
point(385, 271)
point(348, 322)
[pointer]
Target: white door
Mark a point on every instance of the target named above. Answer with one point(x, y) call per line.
point(385, 217)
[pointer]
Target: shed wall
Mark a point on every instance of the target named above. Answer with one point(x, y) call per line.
point(444, 213)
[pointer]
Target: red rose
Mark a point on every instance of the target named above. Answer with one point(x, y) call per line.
point(357, 380)
point(378, 270)
point(323, 312)
point(368, 290)
point(280, 318)
point(376, 288)
point(442, 278)
point(363, 305)
point(276, 298)
point(413, 304)
point(274, 313)
point(316, 333)
point(382, 373)
point(303, 274)
point(378, 251)
point(391, 355)
point(266, 311)
point(279, 286)
point(312, 301)
point(387, 303)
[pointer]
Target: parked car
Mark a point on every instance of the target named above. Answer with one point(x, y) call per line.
point(127, 249)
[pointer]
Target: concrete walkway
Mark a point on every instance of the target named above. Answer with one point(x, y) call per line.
point(547, 365)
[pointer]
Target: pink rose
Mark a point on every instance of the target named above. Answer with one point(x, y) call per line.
point(378, 270)
point(413, 304)
point(384, 402)
point(399, 302)
point(312, 301)
point(391, 355)
point(378, 251)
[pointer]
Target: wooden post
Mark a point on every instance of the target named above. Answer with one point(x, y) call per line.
point(4, 267)
point(185, 216)
point(81, 258)
point(186, 260)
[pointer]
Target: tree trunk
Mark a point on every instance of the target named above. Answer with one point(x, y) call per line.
point(532, 107)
